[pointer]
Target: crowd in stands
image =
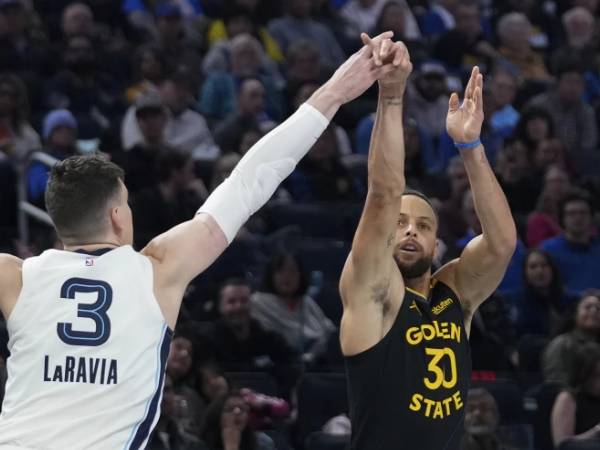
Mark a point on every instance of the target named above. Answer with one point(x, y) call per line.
point(176, 91)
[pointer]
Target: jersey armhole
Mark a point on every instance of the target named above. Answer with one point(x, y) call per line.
point(153, 300)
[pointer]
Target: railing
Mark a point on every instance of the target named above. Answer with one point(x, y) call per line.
point(27, 210)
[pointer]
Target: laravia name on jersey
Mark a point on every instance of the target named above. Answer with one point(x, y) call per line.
point(81, 370)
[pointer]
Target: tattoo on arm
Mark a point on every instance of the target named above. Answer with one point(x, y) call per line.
point(393, 101)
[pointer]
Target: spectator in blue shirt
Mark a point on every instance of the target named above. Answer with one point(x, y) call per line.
point(577, 250)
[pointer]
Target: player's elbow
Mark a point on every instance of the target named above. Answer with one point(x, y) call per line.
point(504, 244)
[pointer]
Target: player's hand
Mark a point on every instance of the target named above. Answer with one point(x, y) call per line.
point(359, 72)
point(387, 52)
point(463, 122)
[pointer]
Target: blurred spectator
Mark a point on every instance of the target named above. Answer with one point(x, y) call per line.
point(577, 250)
point(218, 96)
point(574, 120)
point(513, 276)
point(284, 306)
point(440, 17)
point(149, 68)
point(226, 426)
point(303, 66)
point(175, 199)
point(481, 422)
point(223, 168)
point(514, 175)
point(141, 14)
point(465, 45)
point(180, 367)
point(576, 411)
point(579, 27)
point(502, 91)
point(534, 126)
point(264, 409)
point(249, 114)
point(168, 435)
point(84, 89)
point(20, 52)
point(538, 307)
point(451, 223)
point(320, 176)
point(427, 97)
point(140, 162)
point(60, 141)
point(543, 223)
point(238, 20)
point(239, 342)
point(547, 153)
point(297, 24)
point(185, 129)
point(17, 137)
point(583, 327)
point(172, 39)
point(397, 16)
point(514, 31)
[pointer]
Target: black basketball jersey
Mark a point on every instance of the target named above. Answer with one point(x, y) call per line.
point(408, 392)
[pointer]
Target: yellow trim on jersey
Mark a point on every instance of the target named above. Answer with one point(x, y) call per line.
point(415, 292)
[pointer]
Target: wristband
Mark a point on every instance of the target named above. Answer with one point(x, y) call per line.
point(468, 145)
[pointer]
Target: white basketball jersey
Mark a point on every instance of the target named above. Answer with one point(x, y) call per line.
point(88, 347)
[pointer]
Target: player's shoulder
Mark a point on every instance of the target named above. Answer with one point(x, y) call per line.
point(9, 264)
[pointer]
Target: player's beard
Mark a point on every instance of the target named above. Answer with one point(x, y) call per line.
point(415, 269)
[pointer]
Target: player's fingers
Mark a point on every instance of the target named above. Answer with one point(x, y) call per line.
point(401, 52)
point(384, 49)
point(382, 71)
point(384, 35)
point(365, 38)
point(453, 103)
point(478, 99)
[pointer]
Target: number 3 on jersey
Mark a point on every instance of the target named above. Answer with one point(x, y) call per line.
point(95, 311)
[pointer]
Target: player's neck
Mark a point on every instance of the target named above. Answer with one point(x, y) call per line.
point(420, 284)
point(90, 247)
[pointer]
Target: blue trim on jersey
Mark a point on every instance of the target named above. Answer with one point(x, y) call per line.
point(142, 431)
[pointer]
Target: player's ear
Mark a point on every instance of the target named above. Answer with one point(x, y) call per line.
point(439, 251)
point(117, 219)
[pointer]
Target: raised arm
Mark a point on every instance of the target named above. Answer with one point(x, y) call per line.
point(185, 251)
point(367, 275)
point(483, 262)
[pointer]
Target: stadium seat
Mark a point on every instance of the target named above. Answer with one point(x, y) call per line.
point(322, 441)
point(508, 396)
point(323, 255)
point(314, 220)
point(320, 397)
point(539, 401)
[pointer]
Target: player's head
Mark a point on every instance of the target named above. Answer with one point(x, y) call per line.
point(416, 235)
point(87, 201)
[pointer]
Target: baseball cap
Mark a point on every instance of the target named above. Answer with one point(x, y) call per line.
point(148, 101)
point(58, 118)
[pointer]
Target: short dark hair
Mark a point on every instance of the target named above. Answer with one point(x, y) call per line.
point(576, 195)
point(234, 281)
point(78, 192)
point(409, 191)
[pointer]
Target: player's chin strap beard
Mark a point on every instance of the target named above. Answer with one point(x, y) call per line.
point(417, 269)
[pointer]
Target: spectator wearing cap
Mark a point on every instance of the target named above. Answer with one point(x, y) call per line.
point(140, 161)
point(465, 45)
point(297, 24)
point(185, 129)
point(85, 89)
point(573, 119)
point(60, 139)
point(173, 39)
point(514, 31)
point(427, 98)
point(577, 250)
point(17, 137)
point(218, 95)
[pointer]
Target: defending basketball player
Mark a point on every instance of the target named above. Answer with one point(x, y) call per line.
point(90, 326)
point(404, 330)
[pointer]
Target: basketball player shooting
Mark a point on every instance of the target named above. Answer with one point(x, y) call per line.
point(90, 325)
point(404, 331)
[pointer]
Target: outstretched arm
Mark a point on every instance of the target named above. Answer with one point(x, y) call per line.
point(185, 251)
point(367, 275)
point(481, 266)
